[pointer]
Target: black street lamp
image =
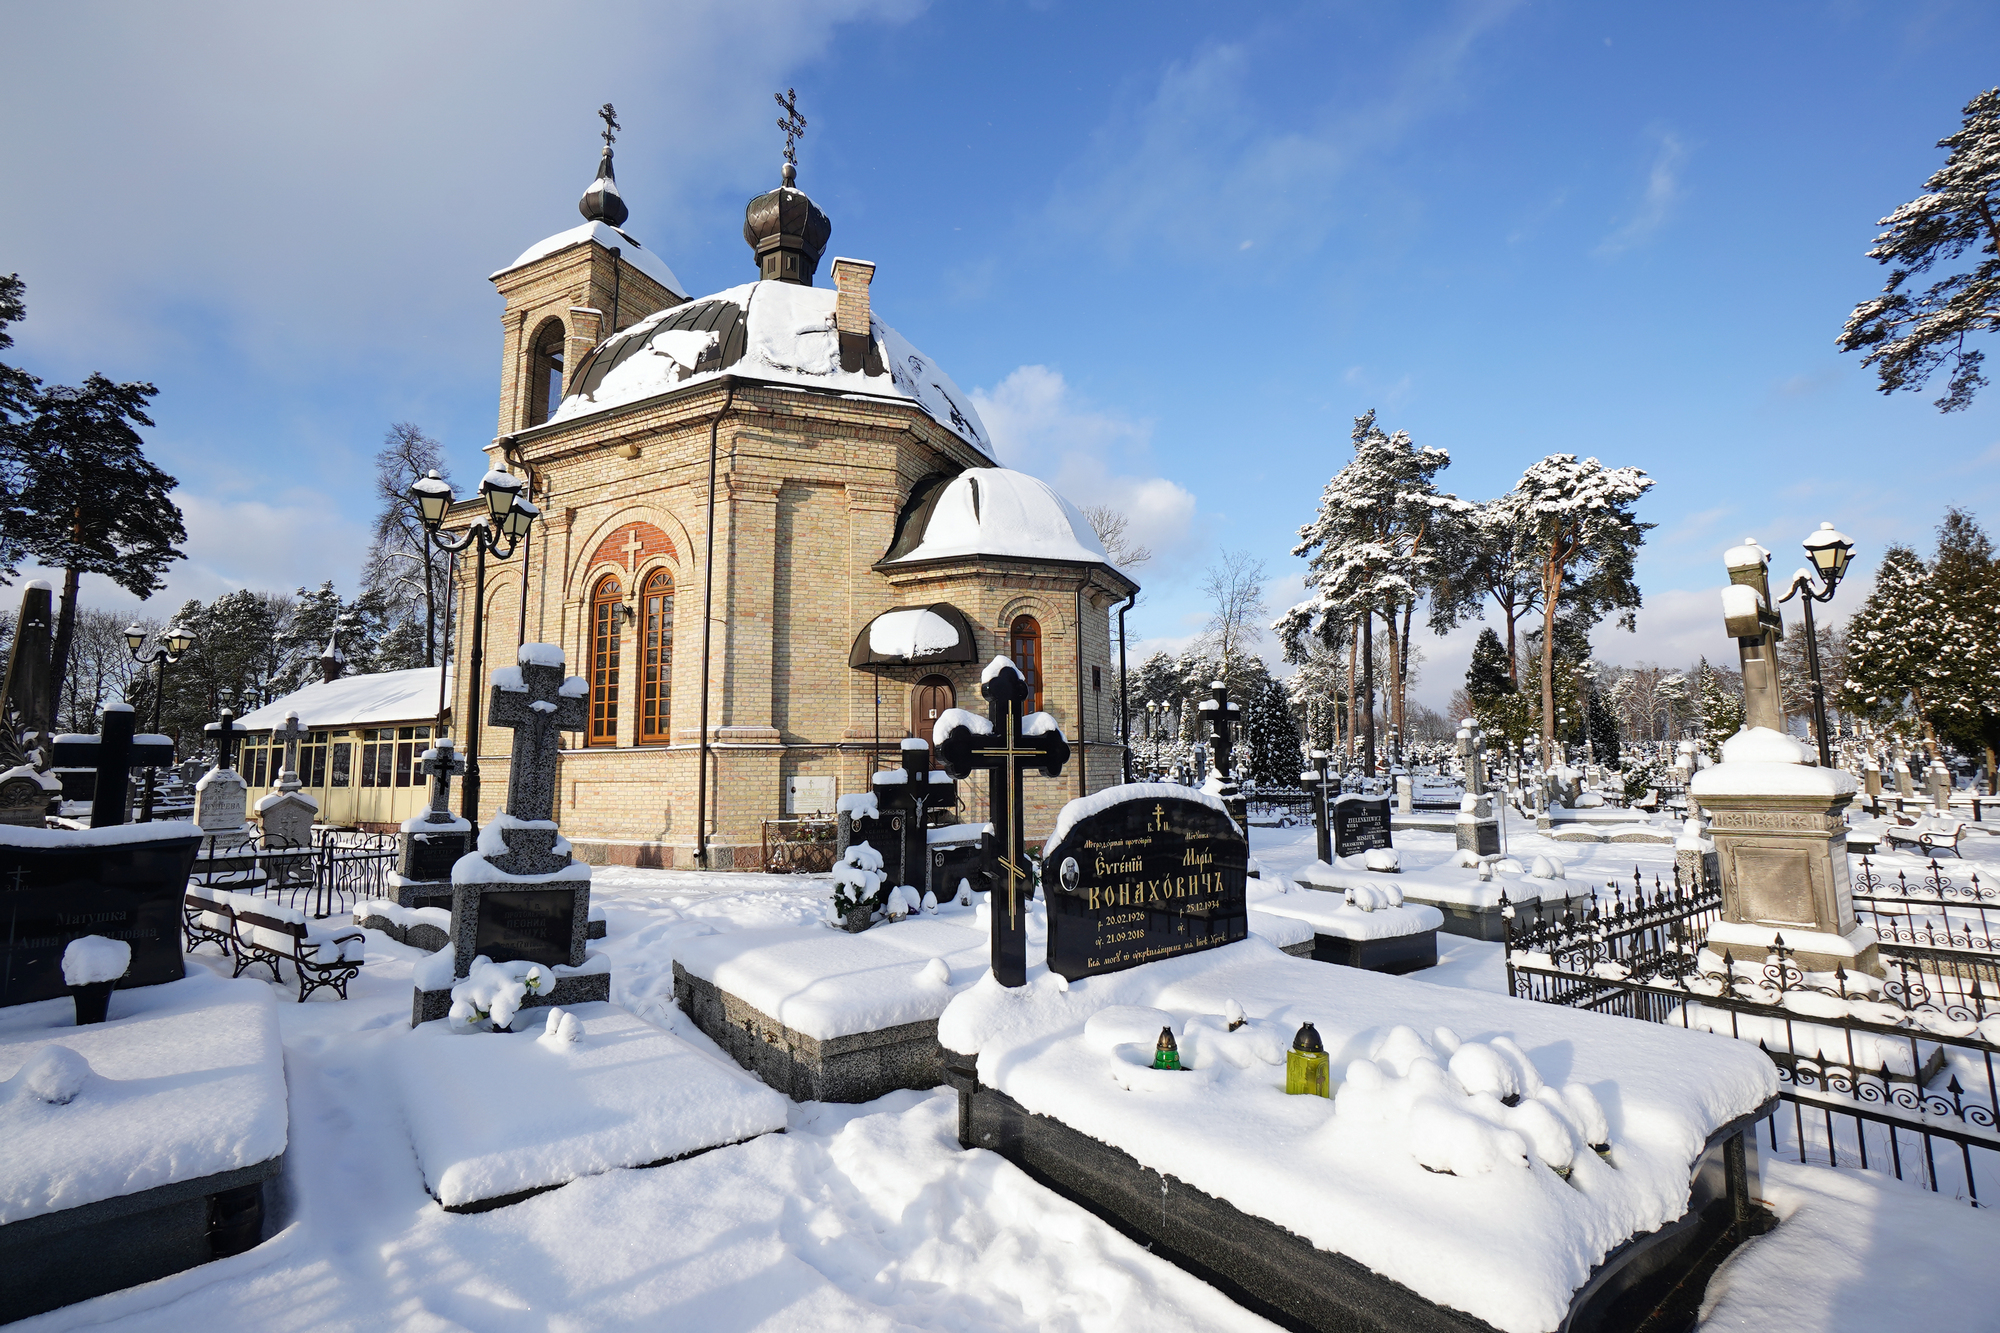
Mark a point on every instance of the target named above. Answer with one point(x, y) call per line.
point(1830, 550)
point(178, 641)
point(509, 515)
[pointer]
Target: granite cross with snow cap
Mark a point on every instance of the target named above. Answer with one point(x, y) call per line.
point(538, 703)
point(441, 763)
point(1007, 746)
point(291, 734)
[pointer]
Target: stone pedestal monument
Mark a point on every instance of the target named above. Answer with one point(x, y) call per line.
point(432, 843)
point(1477, 830)
point(1776, 817)
point(222, 812)
point(520, 896)
point(287, 815)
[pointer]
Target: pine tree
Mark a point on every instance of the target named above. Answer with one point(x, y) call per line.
point(1893, 655)
point(1488, 677)
point(1602, 725)
point(1966, 690)
point(1910, 336)
point(1721, 709)
point(1573, 520)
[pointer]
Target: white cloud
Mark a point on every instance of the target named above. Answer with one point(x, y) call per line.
point(1663, 191)
point(1041, 426)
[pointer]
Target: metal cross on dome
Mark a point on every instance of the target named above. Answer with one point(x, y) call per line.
point(792, 123)
point(609, 115)
point(1005, 751)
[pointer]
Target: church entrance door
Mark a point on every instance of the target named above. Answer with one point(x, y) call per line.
point(928, 701)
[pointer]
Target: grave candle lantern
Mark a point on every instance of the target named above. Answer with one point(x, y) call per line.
point(1166, 1055)
point(1306, 1064)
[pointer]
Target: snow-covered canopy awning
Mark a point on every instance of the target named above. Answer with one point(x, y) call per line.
point(914, 636)
point(375, 699)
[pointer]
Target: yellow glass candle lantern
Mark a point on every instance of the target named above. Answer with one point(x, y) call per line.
point(1166, 1055)
point(1306, 1064)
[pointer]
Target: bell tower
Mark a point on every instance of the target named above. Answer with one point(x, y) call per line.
point(568, 293)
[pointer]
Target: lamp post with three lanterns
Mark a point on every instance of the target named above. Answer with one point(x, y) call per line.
point(509, 515)
point(177, 642)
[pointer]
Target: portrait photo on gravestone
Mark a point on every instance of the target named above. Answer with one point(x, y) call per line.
point(1143, 872)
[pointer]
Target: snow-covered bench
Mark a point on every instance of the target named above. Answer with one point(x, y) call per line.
point(1932, 833)
point(256, 930)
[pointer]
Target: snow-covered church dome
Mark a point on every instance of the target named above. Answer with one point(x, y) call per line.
point(994, 511)
point(778, 332)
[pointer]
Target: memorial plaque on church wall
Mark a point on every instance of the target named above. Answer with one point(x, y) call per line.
point(1146, 878)
point(1360, 824)
point(534, 926)
point(127, 891)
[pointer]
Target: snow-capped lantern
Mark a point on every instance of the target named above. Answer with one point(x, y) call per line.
point(1306, 1064)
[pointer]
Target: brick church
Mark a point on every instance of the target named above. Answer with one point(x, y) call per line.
point(776, 454)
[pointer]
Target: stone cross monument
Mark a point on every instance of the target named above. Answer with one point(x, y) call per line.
point(1006, 747)
point(1757, 627)
point(1223, 718)
point(1475, 827)
point(288, 814)
point(431, 843)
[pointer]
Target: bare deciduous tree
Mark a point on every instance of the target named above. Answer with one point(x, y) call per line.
point(1111, 526)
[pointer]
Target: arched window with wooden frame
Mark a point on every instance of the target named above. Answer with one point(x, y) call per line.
point(1024, 641)
point(545, 372)
point(656, 659)
point(607, 599)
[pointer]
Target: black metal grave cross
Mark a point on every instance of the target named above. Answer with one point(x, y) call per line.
point(1006, 751)
point(538, 713)
point(114, 753)
point(227, 732)
point(912, 799)
point(1222, 719)
point(441, 763)
point(1317, 781)
point(792, 123)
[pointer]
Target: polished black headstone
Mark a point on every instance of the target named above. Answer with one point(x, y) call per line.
point(1147, 878)
point(430, 856)
point(533, 926)
point(126, 891)
point(1360, 824)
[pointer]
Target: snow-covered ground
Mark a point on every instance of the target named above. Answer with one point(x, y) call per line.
point(868, 1217)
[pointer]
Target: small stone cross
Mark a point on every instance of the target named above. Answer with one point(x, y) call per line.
point(1006, 750)
point(632, 548)
point(546, 706)
point(291, 734)
point(114, 753)
point(441, 763)
point(227, 732)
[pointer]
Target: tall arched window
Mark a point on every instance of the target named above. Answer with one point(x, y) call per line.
point(1025, 647)
point(545, 373)
point(656, 660)
point(606, 600)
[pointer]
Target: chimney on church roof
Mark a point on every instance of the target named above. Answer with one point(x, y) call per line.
point(602, 202)
point(850, 310)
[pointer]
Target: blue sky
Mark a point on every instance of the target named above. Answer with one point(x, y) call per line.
point(1175, 249)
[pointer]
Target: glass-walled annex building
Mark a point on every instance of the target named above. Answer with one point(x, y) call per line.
point(365, 737)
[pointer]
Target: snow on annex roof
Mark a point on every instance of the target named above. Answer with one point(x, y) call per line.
point(370, 700)
point(776, 332)
point(633, 253)
point(997, 511)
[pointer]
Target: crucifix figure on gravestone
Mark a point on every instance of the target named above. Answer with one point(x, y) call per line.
point(538, 714)
point(114, 753)
point(441, 763)
point(291, 734)
point(1006, 748)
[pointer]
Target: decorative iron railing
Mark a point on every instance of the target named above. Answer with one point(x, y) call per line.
point(323, 878)
point(1898, 1073)
point(799, 846)
point(1934, 911)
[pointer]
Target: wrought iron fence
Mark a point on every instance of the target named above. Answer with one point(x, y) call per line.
point(1895, 1074)
point(1933, 911)
point(323, 878)
point(799, 846)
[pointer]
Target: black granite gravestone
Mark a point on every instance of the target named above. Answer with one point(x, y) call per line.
point(430, 856)
point(50, 895)
point(535, 926)
point(1148, 877)
point(1360, 824)
point(113, 753)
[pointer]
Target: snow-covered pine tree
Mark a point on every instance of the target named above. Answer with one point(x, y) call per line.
point(1894, 644)
point(1602, 726)
point(1720, 709)
point(1273, 756)
point(1488, 676)
point(1572, 519)
point(1909, 336)
point(1371, 554)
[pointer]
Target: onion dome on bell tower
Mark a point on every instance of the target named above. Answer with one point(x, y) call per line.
point(785, 229)
point(602, 202)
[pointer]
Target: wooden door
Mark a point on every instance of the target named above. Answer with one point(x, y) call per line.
point(928, 701)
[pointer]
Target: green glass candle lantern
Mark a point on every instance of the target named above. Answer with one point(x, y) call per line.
point(1166, 1055)
point(1306, 1064)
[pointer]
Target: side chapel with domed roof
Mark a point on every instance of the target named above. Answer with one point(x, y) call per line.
point(776, 455)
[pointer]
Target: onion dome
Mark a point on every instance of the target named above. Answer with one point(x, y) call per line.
point(602, 202)
point(787, 231)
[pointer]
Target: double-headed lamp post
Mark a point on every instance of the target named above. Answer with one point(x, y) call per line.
point(509, 514)
point(164, 654)
point(1830, 550)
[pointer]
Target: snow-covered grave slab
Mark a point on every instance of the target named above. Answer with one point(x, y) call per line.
point(822, 1015)
point(1469, 905)
point(1481, 1159)
point(136, 1147)
point(1369, 927)
point(497, 1117)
